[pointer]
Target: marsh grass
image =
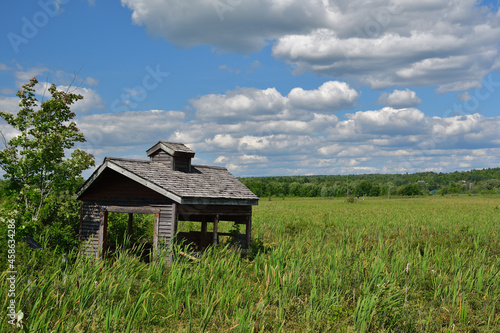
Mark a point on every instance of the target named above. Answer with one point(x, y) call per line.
point(317, 265)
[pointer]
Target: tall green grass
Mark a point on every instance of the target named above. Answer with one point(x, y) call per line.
point(316, 265)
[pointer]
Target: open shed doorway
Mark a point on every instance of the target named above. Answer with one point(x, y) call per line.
point(200, 232)
point(132, 232)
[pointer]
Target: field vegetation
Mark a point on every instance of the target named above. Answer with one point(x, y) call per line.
point(485, 181)
point(423, 264)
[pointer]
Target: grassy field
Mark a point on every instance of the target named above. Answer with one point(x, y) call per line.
point(429, 264)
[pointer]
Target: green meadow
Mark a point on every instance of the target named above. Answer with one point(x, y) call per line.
point(426, 264)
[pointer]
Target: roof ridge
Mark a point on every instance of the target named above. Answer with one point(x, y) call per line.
point(176, 143)
point(107, 158)
point(208, 166)
point(124, 159)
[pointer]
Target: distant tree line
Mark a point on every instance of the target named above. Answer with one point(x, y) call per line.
point(485, 181)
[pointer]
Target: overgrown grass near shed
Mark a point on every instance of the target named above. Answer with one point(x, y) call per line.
point(316, 265)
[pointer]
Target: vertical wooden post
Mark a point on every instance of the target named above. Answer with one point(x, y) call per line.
point(155, 230)
point(129, 230)
point(171, 238)
point(103, 230)
point(216, 222)
point(248, 237)
point(204, 225)
point(155, 235)
point(175, 220)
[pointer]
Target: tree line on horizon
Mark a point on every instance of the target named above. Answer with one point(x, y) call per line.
point(484, 181)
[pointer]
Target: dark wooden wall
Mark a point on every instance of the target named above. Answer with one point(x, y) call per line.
point(238, 214)
point(111, 185)
point(182, 164)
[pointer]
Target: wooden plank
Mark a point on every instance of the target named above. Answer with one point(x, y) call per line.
point(225, 234)
point(204, 235)
point(200, 233)
point(216, 222)
point(132, 209)
point(190, 257)
point(174, 220)
point(249, 232)
point(214, 209)
point(156, 231)
point(238, 219)
point(163, 226)
point(103, 228)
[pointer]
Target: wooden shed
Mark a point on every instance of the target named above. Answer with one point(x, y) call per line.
point(168, 186)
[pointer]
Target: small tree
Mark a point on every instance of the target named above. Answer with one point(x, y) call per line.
point(410, 190)
point(35, 159)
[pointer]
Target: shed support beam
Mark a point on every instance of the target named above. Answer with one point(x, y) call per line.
point(216, 222)
point(155, 236)
point(103, 230)
point(248, 230)
point(204, 235)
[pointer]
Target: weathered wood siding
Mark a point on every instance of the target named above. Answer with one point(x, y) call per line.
point(178, 163)
point(166, 229)
point(161, 156)
point(167, 224)
point(89, 227)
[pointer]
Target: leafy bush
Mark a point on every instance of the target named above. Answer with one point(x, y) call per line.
point(142, 230)
point(410, 190)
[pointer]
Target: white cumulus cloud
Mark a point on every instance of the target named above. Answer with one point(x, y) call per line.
point(330, 96)
point(243, 103)
point(384, 43)
point(389, 121)
point(400, 99)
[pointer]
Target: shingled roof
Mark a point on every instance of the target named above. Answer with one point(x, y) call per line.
point(203, 185)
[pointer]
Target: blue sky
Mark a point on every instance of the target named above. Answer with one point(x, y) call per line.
point(270, 87)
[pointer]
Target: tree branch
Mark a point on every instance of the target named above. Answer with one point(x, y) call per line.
point(45, 88)
point(75, 75)
point(4, 141)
